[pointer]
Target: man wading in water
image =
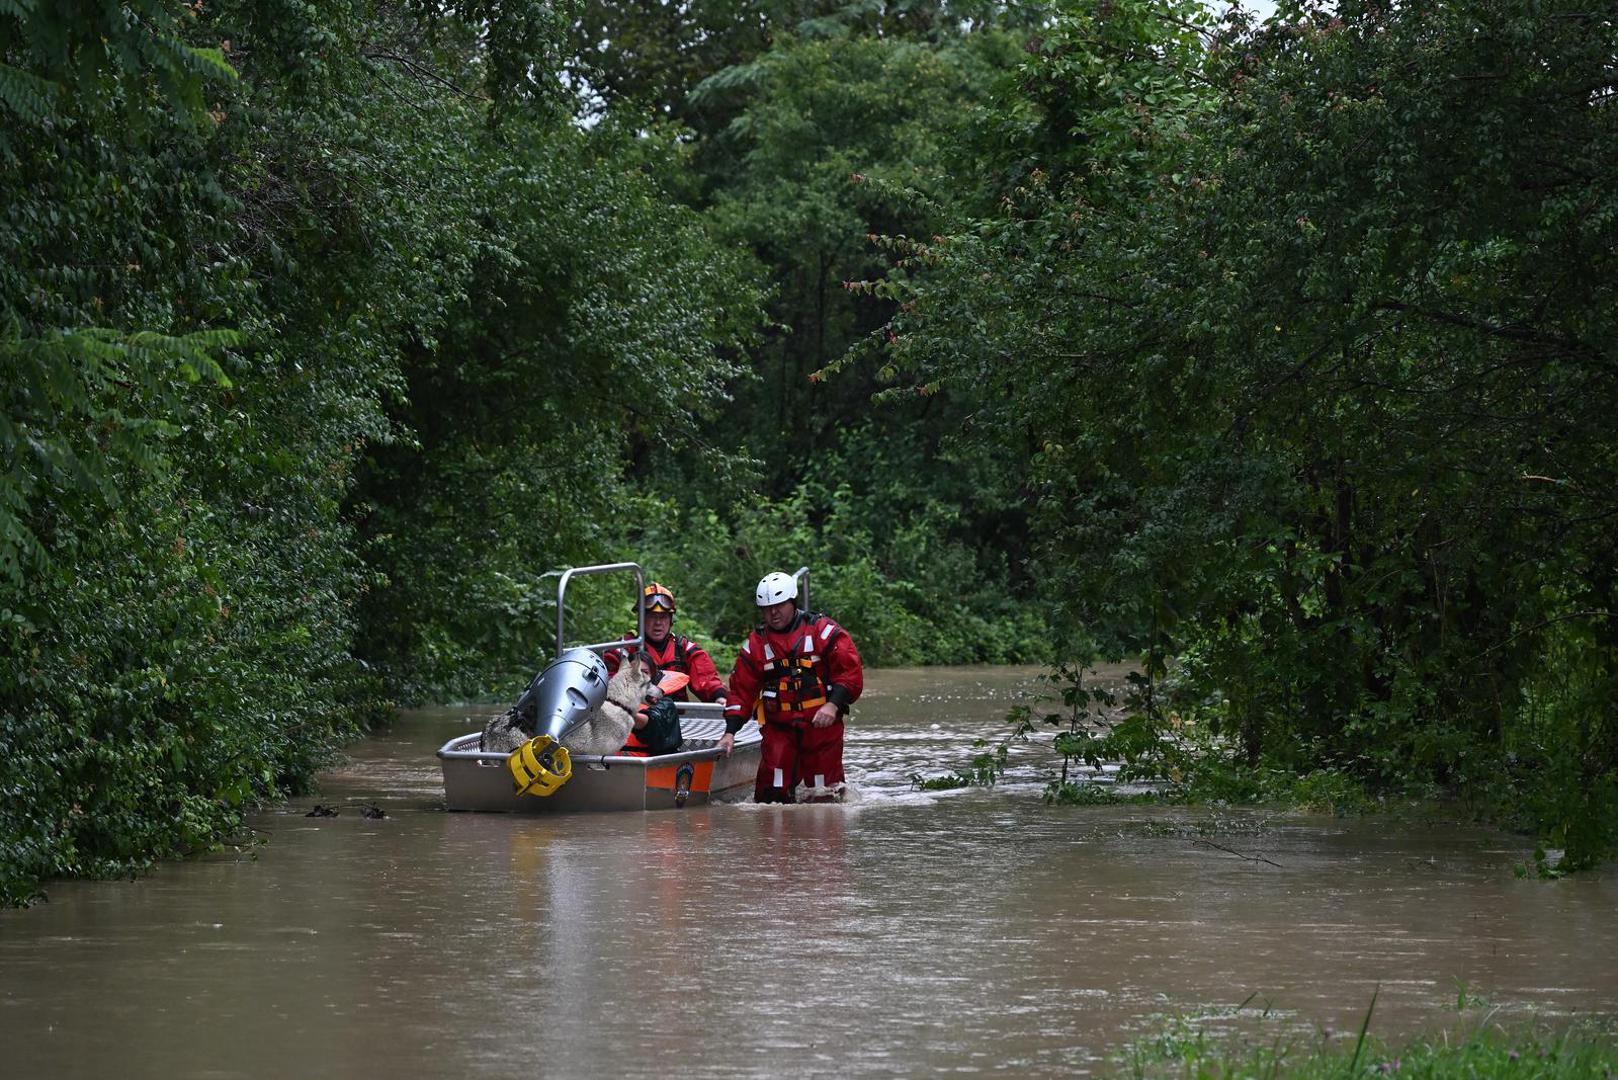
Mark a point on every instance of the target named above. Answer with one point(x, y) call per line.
point(797, 673)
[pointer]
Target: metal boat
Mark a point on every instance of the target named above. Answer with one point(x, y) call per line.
point(695, 774)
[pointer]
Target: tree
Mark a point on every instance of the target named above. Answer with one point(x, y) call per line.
point(599, 318)
point(1311, 346)
point(237, 238)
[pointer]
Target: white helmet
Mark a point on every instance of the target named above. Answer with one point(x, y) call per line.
point(776, 587)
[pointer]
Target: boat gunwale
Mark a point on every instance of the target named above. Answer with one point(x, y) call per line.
point(747, 737)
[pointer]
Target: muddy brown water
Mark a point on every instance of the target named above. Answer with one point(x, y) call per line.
point(975, 931)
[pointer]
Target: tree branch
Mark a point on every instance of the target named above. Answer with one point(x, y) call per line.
point(418, 70)
point(1509, 333)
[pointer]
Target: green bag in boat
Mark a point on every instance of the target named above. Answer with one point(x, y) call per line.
point(662, 731)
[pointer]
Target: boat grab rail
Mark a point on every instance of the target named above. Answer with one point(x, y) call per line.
point(604, 568)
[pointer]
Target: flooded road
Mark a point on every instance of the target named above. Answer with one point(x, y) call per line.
point(973, 931)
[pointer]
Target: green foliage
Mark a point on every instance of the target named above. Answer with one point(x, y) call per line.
point(983, 770)
point(807, 150)
point(825, 137)
point(597, 319)
point(920, 592)
point(805, 130)
point(288, 288)
point(1313, 358)
point(1184, 1049)
point(1087, 793)
point(1570, 798)
point(114, 271)
point(96, 381)
point(648, 57)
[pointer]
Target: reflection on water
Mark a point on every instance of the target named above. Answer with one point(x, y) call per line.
point(975, 931)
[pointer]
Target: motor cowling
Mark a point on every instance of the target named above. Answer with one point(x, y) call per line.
point(563, 695)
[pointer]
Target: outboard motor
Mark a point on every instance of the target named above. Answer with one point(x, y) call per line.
point(560, 697)
point(558, 700)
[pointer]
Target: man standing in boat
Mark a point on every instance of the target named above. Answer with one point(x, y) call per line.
point(671, 651)
point(798, 672)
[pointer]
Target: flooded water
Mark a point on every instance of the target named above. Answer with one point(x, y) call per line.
point(974, 931)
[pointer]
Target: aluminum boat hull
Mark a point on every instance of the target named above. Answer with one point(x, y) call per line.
point(479, 780)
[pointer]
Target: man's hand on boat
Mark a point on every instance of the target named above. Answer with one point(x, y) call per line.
point(726, 741)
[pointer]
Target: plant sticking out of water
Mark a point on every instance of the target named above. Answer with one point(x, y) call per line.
point(1090, 793)
point(1549, 863)
point(1077, 741)
point(1365, 1026)
point(985, 768)
point(1467, 998)
point(1215, 824)
point(1088, 733)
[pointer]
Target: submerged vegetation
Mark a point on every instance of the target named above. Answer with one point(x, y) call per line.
point(1276, 355)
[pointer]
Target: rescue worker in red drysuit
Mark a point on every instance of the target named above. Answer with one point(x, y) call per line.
point(797, 673)
point(669, 651)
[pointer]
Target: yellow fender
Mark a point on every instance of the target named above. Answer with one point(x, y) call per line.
point(540, 766)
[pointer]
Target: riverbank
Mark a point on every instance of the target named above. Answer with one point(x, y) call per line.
point(1470, 1047)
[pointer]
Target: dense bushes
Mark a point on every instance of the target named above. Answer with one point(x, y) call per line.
point(893, 569)
point(1320, 385)
point(246, 250)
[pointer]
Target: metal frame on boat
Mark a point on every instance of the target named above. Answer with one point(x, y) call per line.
point(696, 774)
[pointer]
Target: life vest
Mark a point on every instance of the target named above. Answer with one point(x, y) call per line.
point(674, 656)
point(792, 684)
